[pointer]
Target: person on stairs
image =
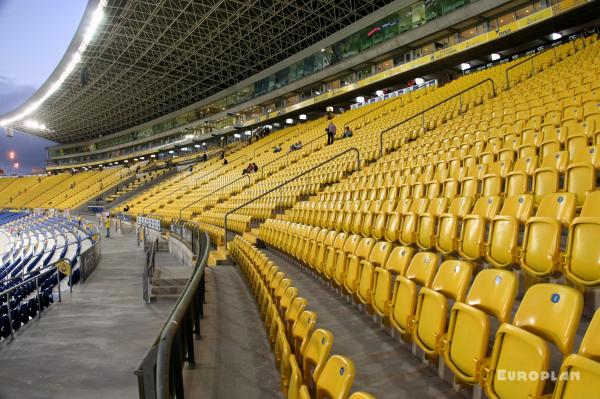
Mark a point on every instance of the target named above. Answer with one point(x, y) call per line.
point(107, 225)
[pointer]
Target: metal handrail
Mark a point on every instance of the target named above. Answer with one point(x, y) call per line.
point(274, 139)
point(211, 193)
point(289, 152)
point(460, 93)
point(351, 149)
point(48, 269)
point(182, 324)
point(149, 270)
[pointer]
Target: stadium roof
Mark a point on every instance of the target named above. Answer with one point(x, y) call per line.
point(150, 58)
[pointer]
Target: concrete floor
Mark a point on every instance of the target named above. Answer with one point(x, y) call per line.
point(384, 367)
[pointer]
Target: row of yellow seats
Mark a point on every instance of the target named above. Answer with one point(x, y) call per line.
point(292, 333)
point(388, 285)
point(506, 233)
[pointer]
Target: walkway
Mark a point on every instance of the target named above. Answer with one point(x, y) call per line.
point(88, 345)
point(384, 367)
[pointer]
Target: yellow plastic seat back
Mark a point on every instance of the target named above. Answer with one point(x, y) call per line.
point(493, 292)
point(474, 226)
point(336, 378)
point(579, 375)
point(548, 312)
point(361, 395)
point(314, 354)
point(580, 263)
point(298, 305)
point(399, 259)
point(295, 379)
point(302, 329)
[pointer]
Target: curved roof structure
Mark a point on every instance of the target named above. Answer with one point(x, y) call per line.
point(150, 58)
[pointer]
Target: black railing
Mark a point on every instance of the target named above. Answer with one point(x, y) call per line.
point(160, 372)
point(352, 149)
point(422, 113)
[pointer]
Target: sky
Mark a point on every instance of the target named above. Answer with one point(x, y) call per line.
point(34, 36)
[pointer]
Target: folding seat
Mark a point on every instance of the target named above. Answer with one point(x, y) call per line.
point(446, 232)
point(465, 345)
point(540, 255)
point(531, 140)
point(493, 181)
point(380, 218)
point(302, 329)
point(548, 312)
point(421, 270)
point(425, 234)
point(450, 283)
point(579, 374)
point(580, 263)
point(286, 300)
point(323, 249)
point(581, 173)
point(306, 244)
point(474, 225)
point(396, 264)
point(367, 218)
point(406, 233)
point(377, 259)
point(295, 380)
point(501, 247)
point(337, 271)
point(312, 252)
point(296, 308)
point(518, 180)
point(394, 220)
point(470, 182)
point(315, 352)
point(336, 378)
point(361, 253)
point(546, 178)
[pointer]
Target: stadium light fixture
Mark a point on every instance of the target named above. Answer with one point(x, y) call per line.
point(419, 81)
point(464, 66)
point(203, 143)
point(379, 93)
point(289, 121)
point(135, 159)
point(171, 152)
point(189, 136)
point(495, 56)
point(302, 117)
point(126, 161)
point(95, 21)
point(360, 99)
point(153, 156)
point(248, 133)
point(142, 158)
point(555, 36)
point(197, 145)
point(184, 149)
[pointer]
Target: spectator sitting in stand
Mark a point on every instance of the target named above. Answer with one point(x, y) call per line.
point(347, 132)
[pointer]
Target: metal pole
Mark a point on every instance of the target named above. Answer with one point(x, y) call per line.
point(58, 285)
point(9, 315)
point(37, 294)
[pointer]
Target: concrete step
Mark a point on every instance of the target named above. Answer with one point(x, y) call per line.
point(167, 291)
point(167, 276)
point(251, 236)
point(219, 256)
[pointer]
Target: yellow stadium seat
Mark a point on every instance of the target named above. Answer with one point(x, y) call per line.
point(579, 375)
point(302, 329)
point(451, 282)
point(315, 352)
point(352, 274)
point(421, 271)
point(465, 345)
point(580, 177)
point(580, 261)
point(304, 393)
point(472, 234)
point(396, 264)
point(548, 312)
point(446, 235)
point(540, 254)
point(361, 395)
point(504, 230)
point(342, 257)
point(295, 381)
point(378, 258)
point(336, 378)
point(296, 308)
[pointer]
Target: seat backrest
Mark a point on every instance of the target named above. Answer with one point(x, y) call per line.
point(519, 206)
point(422, 268)
point(487, 206)
point(287, 298)
point(351, 243)
point(399, 259)
point(589, 154)
point(591, 205)
point(364, 247)
point(380, 253)
point(315, 352)
point(303, 327)
point(437, 206)
point(452, 279)
point(560, 206)
point(419, 205)
point(298, 305)
point(336, 378)
point(590, 345)
point(295, 379)
point(460, 206)
point(361, 395)
point(493, 291)
point(339, 241)
point(551, 311)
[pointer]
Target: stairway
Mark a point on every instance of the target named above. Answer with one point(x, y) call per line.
point(169, 281)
